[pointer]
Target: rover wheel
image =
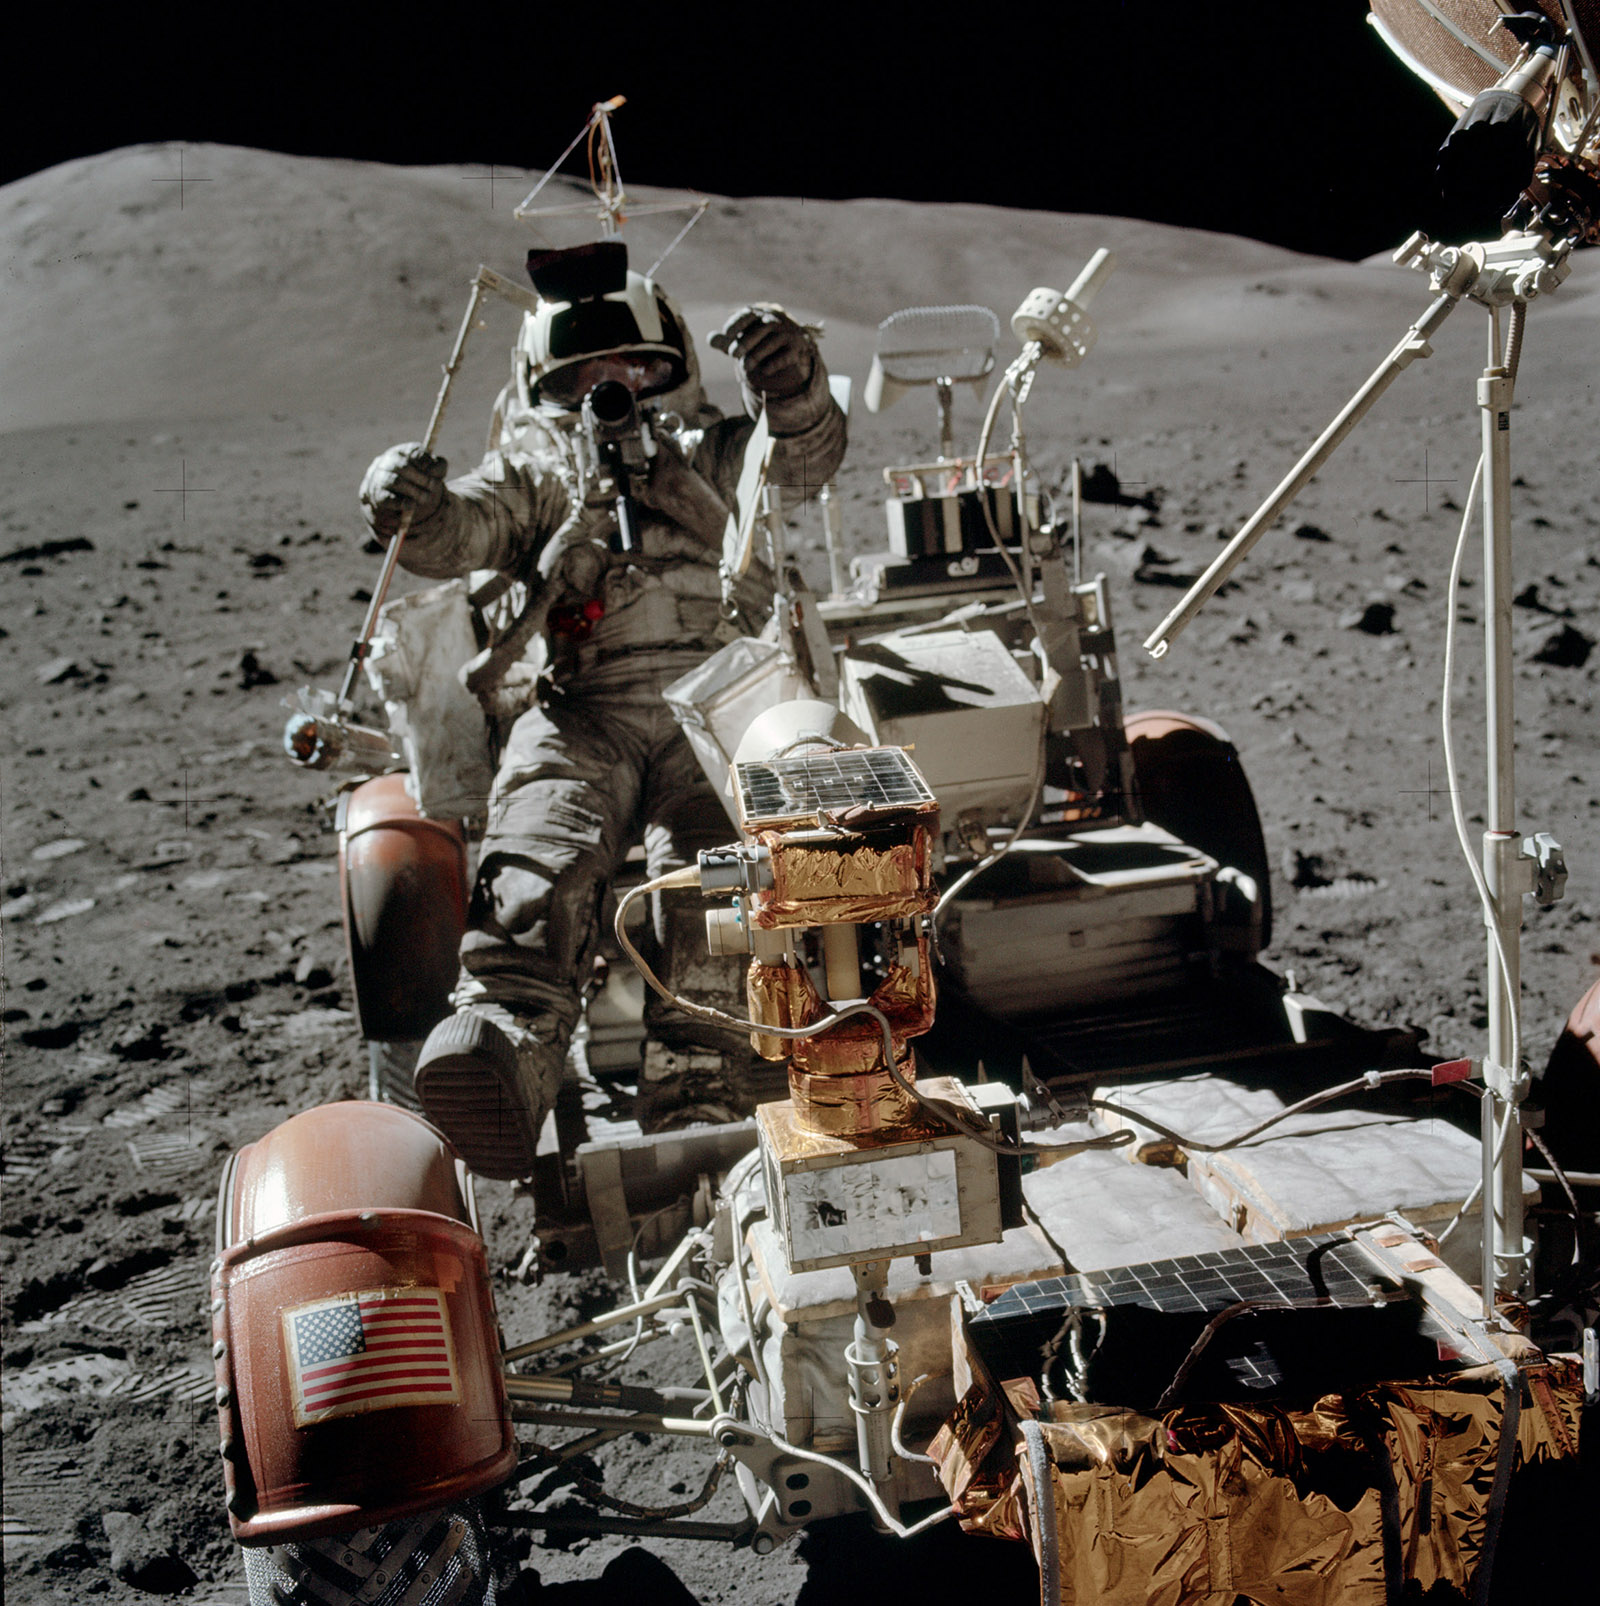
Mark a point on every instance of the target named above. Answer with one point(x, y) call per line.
point(1192, 784)
point(439, 1556)
point(391, 1071)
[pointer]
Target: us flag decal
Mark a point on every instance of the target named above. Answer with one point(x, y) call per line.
point(369, 1352)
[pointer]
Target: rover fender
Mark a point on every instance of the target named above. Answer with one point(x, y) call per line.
point(1192, 783)
point(1570, 1087)
point(354, 1334)
point(403, 887)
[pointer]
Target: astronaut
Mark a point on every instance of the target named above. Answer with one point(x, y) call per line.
point(591, 759)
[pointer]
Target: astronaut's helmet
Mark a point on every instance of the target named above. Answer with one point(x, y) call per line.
point(596, 320)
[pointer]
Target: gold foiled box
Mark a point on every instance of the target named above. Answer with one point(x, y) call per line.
point(1353, 1498)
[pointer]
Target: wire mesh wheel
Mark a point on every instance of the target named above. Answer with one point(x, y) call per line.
point(389, 1073)
point(440, 1558)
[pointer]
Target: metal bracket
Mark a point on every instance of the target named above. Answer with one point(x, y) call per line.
point(1494, 273)
point(1039, 1108)
point(767, 1476)
point(507, 289)
point(1549, 868)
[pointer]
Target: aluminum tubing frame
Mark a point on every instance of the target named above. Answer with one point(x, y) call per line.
point(1506, 1253)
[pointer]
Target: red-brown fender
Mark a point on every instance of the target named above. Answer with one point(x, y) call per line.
point(403, 884)
point(1192, 784)
point(358, 1217)
point(1570, 1087)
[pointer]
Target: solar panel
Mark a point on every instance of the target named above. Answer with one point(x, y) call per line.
point(1120, 1336)
point(1327, 1266)
point(782, 789)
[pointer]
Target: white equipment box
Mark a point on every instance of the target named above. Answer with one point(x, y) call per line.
point(1100, 917)
point(964, 706)
point(836, 1202)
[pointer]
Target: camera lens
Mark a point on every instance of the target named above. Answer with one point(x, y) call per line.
point(611, 402)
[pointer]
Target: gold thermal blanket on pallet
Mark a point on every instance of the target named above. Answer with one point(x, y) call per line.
point(1337, 1504)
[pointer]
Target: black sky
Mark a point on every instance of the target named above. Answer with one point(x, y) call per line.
point(1288, 122)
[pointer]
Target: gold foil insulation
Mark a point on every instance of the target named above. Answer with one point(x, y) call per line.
point(856, 1047)
point(833, 878)
point(870, 862)
point(837, 1079)
point(1208, 1503)
point(791, 1140)
point(780, 995)
point(852, 1106)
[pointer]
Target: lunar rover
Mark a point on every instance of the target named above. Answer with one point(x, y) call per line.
point(1070, 1218)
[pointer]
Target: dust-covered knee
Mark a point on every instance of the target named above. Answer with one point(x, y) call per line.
point(512, 899)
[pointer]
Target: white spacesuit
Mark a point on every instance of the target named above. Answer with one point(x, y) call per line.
point(592, 759)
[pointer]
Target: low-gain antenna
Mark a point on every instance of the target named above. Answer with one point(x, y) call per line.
point(610, 204)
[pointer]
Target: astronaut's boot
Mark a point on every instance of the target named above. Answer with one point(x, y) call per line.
point(694, 1073)
point(487, 1079)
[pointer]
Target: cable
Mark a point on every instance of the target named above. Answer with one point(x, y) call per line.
point(746, 1305)
point(690, 877)
point(1561, 1177)
point(1024, 587)
point(809, 739)
point(1502, 1132)
point(1512, 359)
point(591, 1490)
point(1457, 814)
point(1371, 1081)
point(1460, 1215)
point(706, 1362)
point(633, 1286)
point(899, 1415)
point(952, 1118)
point(897, 1528)
point(990, 860)
point(618, 1354)
point(1243, 1307)
point(945, 1114)
point(1017, 380)
point(540, 1458)
point(625, 1347)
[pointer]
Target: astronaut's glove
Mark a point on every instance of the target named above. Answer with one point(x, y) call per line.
point(402, 480)
point(777, 355)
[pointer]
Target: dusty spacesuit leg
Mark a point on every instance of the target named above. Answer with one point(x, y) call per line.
point(560, 816)
point(693, 1071)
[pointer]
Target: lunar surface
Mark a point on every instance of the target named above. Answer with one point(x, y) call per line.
point(196, 376)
